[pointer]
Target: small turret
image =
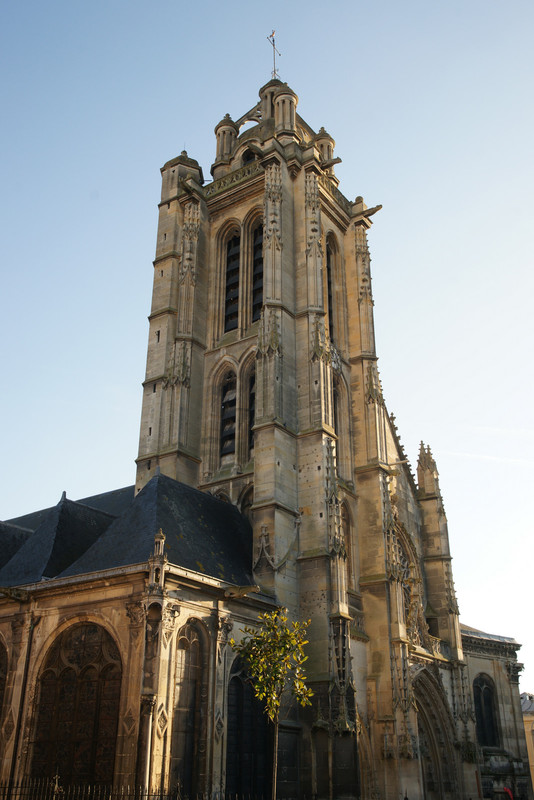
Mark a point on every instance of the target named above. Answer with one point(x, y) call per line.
point(427, 473)
point(226, 132)
point(285, 114)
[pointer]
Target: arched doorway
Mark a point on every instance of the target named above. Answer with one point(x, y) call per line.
point(78, 707)
point(439, 761)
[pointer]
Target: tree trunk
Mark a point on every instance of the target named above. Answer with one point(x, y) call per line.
point(275, 757)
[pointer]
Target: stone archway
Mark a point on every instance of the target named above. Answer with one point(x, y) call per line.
point(440, 767)
point(77, 709)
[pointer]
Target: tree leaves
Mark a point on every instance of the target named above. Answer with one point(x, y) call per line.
point(274, 655)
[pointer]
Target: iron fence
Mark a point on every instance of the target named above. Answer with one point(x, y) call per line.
point(52, 789)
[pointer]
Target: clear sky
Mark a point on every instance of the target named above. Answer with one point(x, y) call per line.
point(430, 104)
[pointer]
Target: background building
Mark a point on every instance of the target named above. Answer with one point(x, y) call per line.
point(269, 473)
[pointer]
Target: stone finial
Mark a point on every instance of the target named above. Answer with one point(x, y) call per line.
point(427, 472)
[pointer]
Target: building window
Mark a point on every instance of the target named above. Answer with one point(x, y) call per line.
point(231, 305)
point(257, 272)
point(188, 750)
point(3, 677)
point(251, 412)
point(347, 538)
point(228, 418)
point(486, 720)
point(329, 289)
point(249, 749)
point(78, 708)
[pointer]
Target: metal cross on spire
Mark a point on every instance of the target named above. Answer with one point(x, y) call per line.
point(274, 73)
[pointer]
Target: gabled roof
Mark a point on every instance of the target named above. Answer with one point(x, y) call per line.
point(115, 502)
point(203, 534)
point(65, 532)
point(12, 537)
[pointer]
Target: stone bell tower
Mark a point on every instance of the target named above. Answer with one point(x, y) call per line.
point(262, 388)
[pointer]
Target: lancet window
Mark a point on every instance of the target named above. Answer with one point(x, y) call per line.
point(231, 306)
point(329, 289)
point(228, 417)
point(188, 749)
point(251, 412)
point(485, 713)
point(78, 708)
point(257, 271)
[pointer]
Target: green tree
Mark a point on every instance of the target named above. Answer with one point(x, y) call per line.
point(274, 655)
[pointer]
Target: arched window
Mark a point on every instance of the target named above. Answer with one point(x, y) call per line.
point(188, 748)
point(228, 418)
point(231, 304)
point(78, 708)
point(248, 157)
point(347, 536)
point(485, 713)
point(337, 409)
point(251, 412)
point(329, 288)
point(248, 752)
point(257, 271)
point(3, 677)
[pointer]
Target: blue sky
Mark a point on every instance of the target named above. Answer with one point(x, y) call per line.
point(431, 108)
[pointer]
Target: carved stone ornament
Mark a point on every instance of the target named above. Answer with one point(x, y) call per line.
point(148, 703)
point(8, 726)
point(161, 722)
point(179, 370)
point(129, 723)
point(168, 621)
point(272, 227)
point(374, 387)
point(224, 628)
point(314, 246)
point(513, 668)
point(136, 613)
point(268, 334)
point(219, 725)
point(264, 556)
point(191, 230)
point(364, 262)
point(233, 178)
point(407, 746)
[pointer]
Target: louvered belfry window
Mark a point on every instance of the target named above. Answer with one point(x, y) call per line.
point(228, 416)
point(251, 412)
point(231, 306)
point(78, 708)
point(329, 288)
point(257, 272)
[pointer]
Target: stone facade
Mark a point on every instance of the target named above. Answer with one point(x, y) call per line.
point(262, 390)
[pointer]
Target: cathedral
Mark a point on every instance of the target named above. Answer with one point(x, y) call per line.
point(269, 474)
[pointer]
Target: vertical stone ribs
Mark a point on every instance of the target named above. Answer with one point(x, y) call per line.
point(365, 293)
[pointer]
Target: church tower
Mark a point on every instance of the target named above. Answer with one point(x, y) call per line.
point(262, 388)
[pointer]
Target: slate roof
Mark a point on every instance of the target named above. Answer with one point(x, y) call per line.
point(203, 534)
point(115, 502)
point(63, 535)
point(474, 633)
point(12, 537)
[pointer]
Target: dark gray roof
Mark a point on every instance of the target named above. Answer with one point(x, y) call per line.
point(202, 534)
point(466, 630)
point(115, 502)
point(63, 535)
point(11, 539)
